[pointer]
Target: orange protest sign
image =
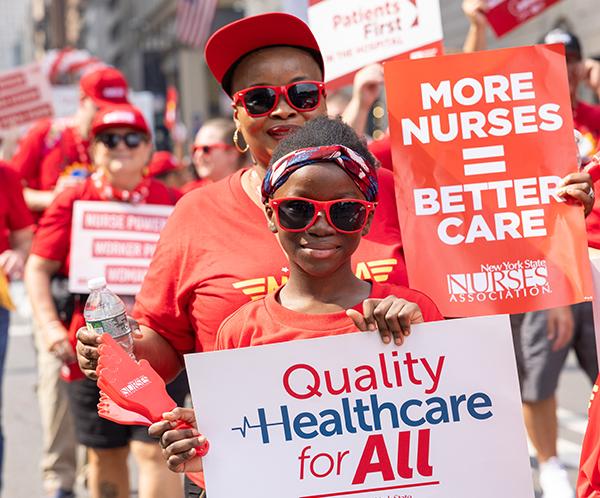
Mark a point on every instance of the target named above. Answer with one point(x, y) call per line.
point(480, 143)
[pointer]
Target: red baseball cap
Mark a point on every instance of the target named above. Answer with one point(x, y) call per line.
point(162, 162)
point(105, 86)
point(237, 39)
point(119, 116)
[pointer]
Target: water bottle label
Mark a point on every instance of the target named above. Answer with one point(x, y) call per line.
point(116, 326)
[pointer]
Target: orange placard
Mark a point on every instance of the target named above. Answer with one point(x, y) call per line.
point(480, 143)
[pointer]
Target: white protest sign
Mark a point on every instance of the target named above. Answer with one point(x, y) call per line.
point(25, 96)
point(355, 33)
point(114, 240)
point(348, 416)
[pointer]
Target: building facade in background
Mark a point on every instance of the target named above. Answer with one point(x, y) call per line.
point(138, 37)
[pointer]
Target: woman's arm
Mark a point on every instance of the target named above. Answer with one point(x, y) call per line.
point(476, 39)
point(38, 273)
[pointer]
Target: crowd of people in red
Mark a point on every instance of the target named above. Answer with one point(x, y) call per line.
point(282, 193)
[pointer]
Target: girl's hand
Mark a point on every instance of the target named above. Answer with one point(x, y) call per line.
point(179, 445)
point(392, 316)
point(578, 188)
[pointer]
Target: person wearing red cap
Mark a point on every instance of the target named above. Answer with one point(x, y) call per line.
point(165, 168)
point(120, 150)
point(214, 155)
point(271, 67)
point(52, 156)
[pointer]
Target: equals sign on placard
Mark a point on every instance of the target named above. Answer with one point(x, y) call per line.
point(488, 160)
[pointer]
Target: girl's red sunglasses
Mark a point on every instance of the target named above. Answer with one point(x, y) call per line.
point(297, 214)
point(304, 96)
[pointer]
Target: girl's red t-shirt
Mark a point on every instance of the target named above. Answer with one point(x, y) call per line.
point(216, 253)
point(265, 321)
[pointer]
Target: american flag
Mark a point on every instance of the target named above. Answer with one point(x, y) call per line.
point(194, 20)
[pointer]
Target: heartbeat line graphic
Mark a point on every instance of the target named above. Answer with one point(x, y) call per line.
point(247, 425)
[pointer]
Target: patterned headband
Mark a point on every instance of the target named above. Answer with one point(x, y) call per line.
point(361, 173)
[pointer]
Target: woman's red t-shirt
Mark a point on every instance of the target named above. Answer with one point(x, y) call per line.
point(265, 321)
point(216, 253)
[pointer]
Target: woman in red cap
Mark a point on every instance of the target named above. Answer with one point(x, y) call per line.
point(120, 149)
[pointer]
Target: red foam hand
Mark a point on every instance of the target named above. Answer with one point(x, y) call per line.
point(109, 410)
point(135, 386)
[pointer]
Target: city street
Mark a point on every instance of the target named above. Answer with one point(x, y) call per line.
point(23, 433)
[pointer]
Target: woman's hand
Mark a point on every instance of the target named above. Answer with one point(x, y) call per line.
point(392, 316)
point(578, 188)
point(179, 445)
point(87, 348)
point(475, 11)
point(56, 337)
point(87, 352)
point(367, 85)
point(12, 263)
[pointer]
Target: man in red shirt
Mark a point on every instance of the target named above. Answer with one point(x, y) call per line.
point(54, 154)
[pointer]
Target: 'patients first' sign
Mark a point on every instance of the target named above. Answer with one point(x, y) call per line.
point(355, 33)
point(480, 144)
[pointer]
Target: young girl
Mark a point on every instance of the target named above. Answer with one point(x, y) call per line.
point(319, 200)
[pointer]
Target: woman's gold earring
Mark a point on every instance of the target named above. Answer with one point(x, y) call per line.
point(236, 137)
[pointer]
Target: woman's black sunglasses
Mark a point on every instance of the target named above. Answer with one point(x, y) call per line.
point(132, 139)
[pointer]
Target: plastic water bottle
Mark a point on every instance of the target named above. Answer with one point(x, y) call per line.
point(105, 313)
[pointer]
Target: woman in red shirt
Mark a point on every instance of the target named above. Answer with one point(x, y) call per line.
point(121, 149)
point(216, 252)
point(214, 155)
